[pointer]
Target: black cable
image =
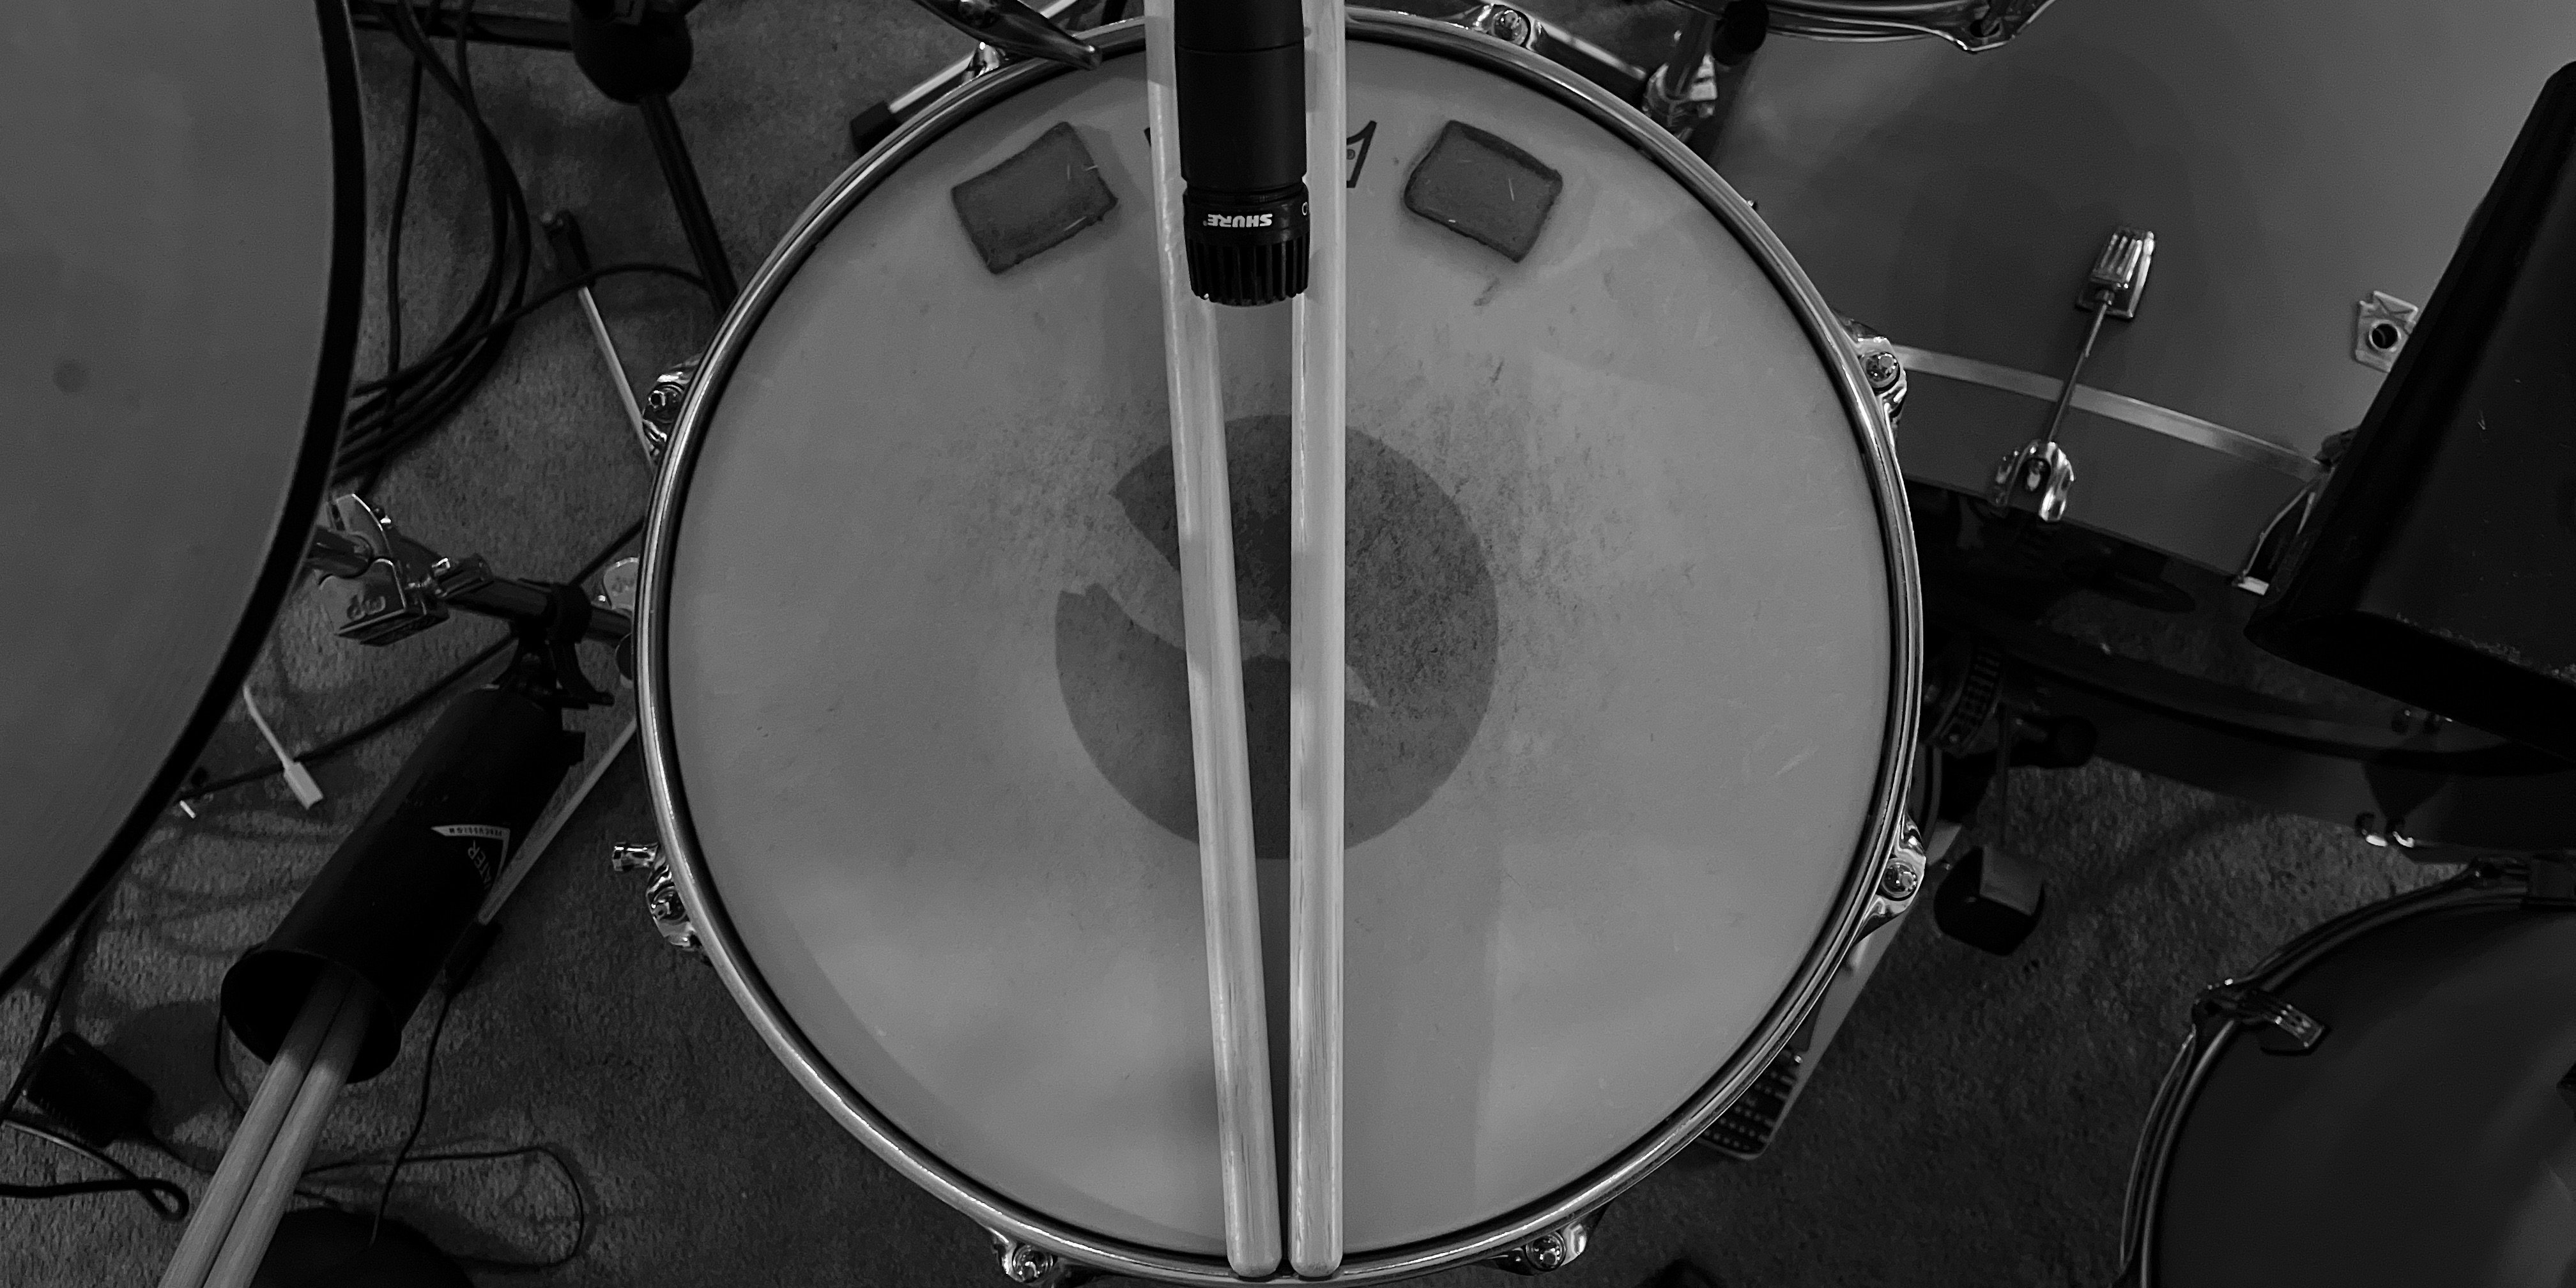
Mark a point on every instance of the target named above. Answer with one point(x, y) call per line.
point(393, 239)
point(402, 710)
point(563, 1169)
point(167, 1200)
point(73, 955)
point(419, 1116)
point(379, 427)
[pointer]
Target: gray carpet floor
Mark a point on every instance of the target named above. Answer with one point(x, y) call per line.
point(1972, 1126)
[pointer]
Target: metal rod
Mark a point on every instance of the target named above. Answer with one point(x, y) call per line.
point(1247, 1157)
point(1316, 648)
point(616, 371)
point(222, 1201)
point(256, 1224)
point(672, 150)
point(544, 835)
point(2066, 394)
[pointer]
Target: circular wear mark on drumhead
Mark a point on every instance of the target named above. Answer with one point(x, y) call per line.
point(1420, 653)
point(1620, 652)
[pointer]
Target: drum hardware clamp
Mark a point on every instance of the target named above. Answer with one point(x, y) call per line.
point(2286, 1030)
point(404, 588)
point(2038, 475)
point(661, 893)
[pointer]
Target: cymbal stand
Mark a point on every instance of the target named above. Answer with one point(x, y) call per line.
point(638, 52)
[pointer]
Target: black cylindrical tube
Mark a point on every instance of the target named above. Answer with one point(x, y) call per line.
point(392, 902)
point(1240, 93)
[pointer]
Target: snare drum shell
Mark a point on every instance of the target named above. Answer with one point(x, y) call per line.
point(2424, 1140)
point(889, 820)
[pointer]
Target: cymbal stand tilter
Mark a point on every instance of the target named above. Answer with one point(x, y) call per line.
point(326, 997)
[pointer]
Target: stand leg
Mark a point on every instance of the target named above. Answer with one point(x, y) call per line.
point(688, 198)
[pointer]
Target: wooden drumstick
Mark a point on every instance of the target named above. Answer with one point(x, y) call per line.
point(1246, 1153)
point(246, 1244)
point(1315, 667)
point(253, 1139)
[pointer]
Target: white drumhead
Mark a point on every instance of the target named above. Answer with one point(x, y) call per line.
point(1622, 641)
point(2423, 1142)
point(2291, 156)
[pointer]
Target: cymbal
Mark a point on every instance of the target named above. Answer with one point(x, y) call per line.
point(181, 242)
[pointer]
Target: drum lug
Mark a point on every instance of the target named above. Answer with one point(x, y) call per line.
point(1033, 1267)
point(661, 893)
point(2285, 1029)
point(662, 405)
point(1550, 1251)
point(1880, 365)
point(1899, 879)
point(1502, 22)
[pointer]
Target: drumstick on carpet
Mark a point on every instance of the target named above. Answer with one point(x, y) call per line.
point(1315, 668)
point(326, 1032)
point(1246, 1154)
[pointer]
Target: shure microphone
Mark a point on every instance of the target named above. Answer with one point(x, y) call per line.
point(1240, 94)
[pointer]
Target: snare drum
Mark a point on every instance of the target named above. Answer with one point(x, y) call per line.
point(2307, 168)
point(1633, 662)
point(2379, 1104)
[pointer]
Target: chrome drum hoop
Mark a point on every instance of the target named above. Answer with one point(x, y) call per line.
point(2142, 1208)
point(1879, 838)
point(1972, 25)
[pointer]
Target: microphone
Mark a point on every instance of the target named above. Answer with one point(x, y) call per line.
point(1240, 93)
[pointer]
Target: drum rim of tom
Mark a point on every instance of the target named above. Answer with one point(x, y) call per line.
point(2210, 1036)
point(1880, 840)
point(344, 289)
